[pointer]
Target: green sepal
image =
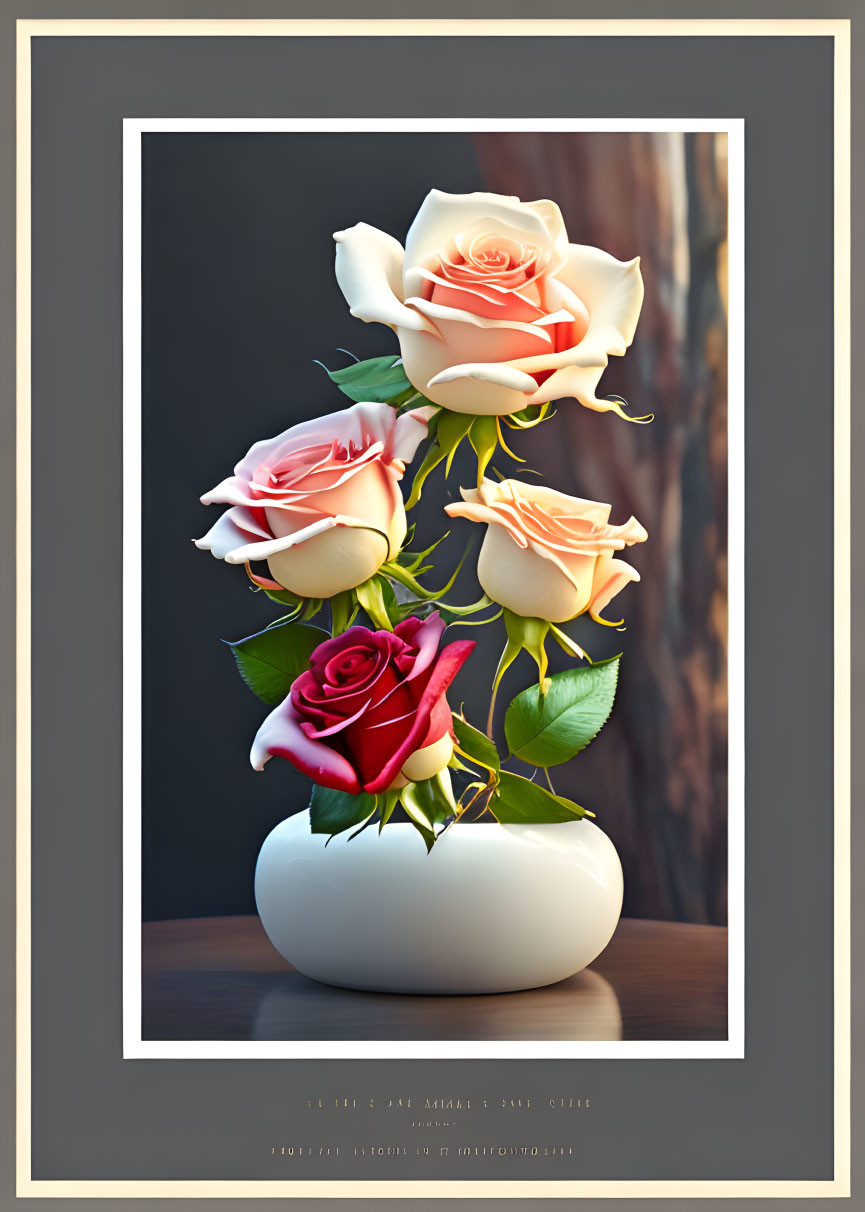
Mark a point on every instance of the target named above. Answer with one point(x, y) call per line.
point(389, 801)
point(429, 803)
point(519, 801)
point(285, 597)
point(456, 764)
point(312, 607)
point(343, 611)
point(412, 561)
point(484, 437)
point(571, 647)
point(529, 417)
point(371, 597)
point(452, 428)
point(574, 709)
point(472, 608)
point(529, 635)
point(453, 621)
point(270, 660)
point(398, 572)
point(432, 458)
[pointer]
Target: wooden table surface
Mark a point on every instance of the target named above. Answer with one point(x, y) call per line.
point(219, 978)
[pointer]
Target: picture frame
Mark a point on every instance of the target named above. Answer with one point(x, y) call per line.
point(48, 1168)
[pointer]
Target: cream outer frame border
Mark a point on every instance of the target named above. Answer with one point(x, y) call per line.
point(839, 31)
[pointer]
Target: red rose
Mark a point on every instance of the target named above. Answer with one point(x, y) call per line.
point(368, 707)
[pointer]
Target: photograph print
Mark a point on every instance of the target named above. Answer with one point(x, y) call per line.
point(436, 697)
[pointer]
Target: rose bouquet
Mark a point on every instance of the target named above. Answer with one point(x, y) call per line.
point(497, 315)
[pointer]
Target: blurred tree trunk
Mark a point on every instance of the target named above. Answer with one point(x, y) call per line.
point(658, 771)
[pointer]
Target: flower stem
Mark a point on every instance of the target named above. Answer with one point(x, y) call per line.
point(509, 655)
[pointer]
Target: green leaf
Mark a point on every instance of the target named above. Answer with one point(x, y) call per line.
point(476, 745)
point(518, 801)
point(335, 811)
point(379, 380)
point(270, 660)
point(552, 730)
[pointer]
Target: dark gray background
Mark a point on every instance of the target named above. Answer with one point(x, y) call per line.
point(768, 1116)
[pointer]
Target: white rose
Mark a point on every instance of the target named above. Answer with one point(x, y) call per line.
point(493, 307)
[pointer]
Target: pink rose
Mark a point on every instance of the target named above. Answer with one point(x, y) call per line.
point(320, 502)
point(547, 555)
point(370, 714)
point(493, 308)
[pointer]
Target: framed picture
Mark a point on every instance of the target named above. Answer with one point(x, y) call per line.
point(687, 170)
point(403, 891)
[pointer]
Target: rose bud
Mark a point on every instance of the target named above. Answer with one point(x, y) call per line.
point(547, 555)
point(321, 502)
point(493, 307)
point(370, 713)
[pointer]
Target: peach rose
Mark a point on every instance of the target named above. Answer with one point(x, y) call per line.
point(320, 502)
point(547, 555)
point(493, 308)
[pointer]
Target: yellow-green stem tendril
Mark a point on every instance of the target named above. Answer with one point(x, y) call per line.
point(607, 622)
point(568, 645)
point(509, 655)
point(477, 761)
point(504, 444)
point(513, 421)
point(615, 403)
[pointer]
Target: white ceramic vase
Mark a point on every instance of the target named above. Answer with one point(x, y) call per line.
point(492, 909)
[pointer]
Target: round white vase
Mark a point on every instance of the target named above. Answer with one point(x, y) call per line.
point(492, 909)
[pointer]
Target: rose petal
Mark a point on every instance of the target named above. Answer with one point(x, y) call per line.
point(410, 430)
point(236, 528)
point(488, 372)
point(446, 668)
point(438, 312)
point(281, 736)
point(613, 294)
point(425, 635)
point(369, 272)
point(262, 550)
point(442, 215)
point(611, 576)
point(612, 291)
point(363, 424)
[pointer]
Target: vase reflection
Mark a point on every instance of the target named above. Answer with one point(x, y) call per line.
point(584, 1007)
